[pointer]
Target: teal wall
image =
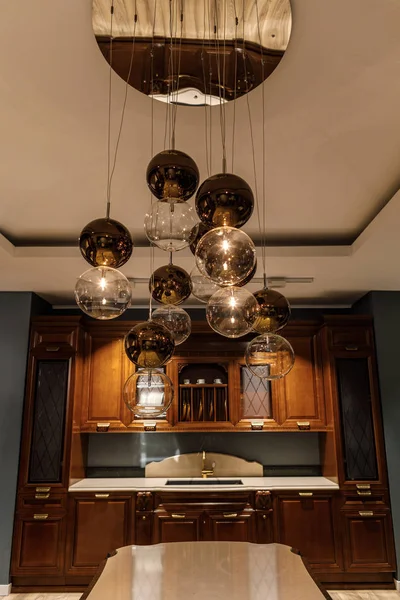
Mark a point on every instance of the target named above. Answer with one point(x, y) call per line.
point(15, 313)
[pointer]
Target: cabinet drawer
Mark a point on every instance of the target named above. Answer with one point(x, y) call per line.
point(365, 497)
point(350, 339)
point(42, 499)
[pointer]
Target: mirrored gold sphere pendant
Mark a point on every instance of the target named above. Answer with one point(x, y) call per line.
point(224, 199)
point(273, 311)
point(149, 345)
point(172, 175)
point(170, 284)
point(105, 243)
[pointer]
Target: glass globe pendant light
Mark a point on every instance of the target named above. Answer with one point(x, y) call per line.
point(200, 230)
point(176, 320)
point(226, 255)
point(202, 287)
point(171, 226)
point(172, 175)
point(149, 344)
point(231, 311)
point(273, 311)
point(148, 393)
point(269, 356)
point(103, 293)
point(170, 284)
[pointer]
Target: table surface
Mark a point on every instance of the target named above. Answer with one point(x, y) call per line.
point(205, 571)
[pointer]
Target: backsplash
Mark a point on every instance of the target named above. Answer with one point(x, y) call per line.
point(136, 450)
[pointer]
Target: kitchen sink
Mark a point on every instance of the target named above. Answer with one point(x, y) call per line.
point(209, 481)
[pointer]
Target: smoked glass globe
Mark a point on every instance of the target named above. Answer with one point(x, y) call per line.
point(226, 255)
point(202, 287)
point(269, 356)
point(105, 242)
point(273, 311)
point(172, 175)
point(148, 393)
point(171, 226)
point(200, 230)
point(170, 285)
point(231, 311)
point(103, 293)
point(224, 199)
point(176, 320)
point(149, 345)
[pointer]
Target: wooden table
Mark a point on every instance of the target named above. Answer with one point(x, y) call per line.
point(205, 571)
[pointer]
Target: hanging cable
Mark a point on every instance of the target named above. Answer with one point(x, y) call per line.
point(152, 154)
point(203, 60)
point(235, 85)
point(111, 169)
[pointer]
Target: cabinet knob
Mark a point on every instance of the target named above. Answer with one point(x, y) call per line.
point(366, 513)
point(264, 516)
point(40, 517)
point(144, 518)
point(102, 495)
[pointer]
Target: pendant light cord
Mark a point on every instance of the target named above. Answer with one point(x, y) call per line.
point(151, 281)
point(111, 169)
point(235, 86)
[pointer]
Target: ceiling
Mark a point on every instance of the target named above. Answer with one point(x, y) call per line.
point(332, 169)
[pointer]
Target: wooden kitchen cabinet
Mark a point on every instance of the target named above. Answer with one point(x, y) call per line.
point(368, 540)
point(182, 526)
point(106, 370)
point(98, 523)
point(39, 544)
point(307, 521)
point(230, 526)
point(301, 393)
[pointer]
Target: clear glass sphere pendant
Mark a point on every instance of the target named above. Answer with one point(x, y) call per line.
point(269, 356)
point(226, 255)
point(103, 293)
point(171, 226)
point(202, 287)
point(149, 345)
point(231, 311)
point(148, 393)
point(273, 311)
point(176, 320)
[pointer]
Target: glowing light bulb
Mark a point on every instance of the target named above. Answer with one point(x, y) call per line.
point(225, 245)
point(103, 283)
point(104, 302)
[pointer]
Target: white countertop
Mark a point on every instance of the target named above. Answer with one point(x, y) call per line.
point(134, 484)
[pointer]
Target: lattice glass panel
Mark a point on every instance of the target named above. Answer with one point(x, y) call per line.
point(255, 396)
point(48, 421)
point(356, 411)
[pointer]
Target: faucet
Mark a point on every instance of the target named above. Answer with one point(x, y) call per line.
point(206, 472)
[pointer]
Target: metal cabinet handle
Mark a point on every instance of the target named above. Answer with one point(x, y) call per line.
point(351, 348)
point(363, 486)
point(42, 496)
point(52, 348)
point(43, 489)
point(41, 517)
point(178, 515)
point(364, 493)
point(101, 495)
point(303, 425)
point(366, 513)
point(229, 515)
point(305, 494)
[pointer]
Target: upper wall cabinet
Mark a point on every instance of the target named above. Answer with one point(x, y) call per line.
point(106, 368)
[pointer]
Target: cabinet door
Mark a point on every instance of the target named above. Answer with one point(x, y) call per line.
point(39, 540)
point(231, 526)
point(106, 370)
point(368, 544)
point(264, 527)
point(98, 525)
point(306, 522)
point(177, 526)
point(301, 393)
